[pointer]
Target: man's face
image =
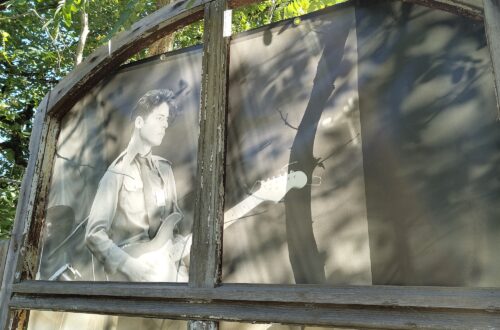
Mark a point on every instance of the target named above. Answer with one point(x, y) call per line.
point(153, 128)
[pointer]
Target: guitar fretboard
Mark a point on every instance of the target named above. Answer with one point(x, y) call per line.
point(240, 209)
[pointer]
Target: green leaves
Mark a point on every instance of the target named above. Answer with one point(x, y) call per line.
point(9, 192)
point(297, 8)
point(5, 36)
point(130, 10)
point(268, 11)
point(65, 10)
point(189, 36)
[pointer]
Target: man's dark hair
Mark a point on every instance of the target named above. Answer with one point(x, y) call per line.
point(151, 100)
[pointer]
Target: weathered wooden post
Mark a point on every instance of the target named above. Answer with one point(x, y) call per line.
point(4, 247)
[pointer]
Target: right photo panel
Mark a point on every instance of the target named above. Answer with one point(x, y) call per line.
point(362, 149)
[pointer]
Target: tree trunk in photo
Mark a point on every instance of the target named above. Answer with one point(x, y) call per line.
point(166, 43)
point(306, 261)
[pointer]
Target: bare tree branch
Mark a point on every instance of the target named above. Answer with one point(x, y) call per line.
point(271, 11)
point(52, 38)
point(320, 161)
point(3, 6)
point(285, 120)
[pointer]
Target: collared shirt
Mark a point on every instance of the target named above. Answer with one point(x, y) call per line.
point(119, 215)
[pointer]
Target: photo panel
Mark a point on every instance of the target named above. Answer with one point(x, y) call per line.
point(363, 144)
point(121, 198)
point(294, 178)
point(430, 147)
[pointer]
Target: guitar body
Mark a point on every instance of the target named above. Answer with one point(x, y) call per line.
point(157, 253)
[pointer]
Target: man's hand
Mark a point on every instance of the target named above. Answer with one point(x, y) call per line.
point(137, 271)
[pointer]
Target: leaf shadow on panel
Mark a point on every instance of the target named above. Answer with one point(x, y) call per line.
point(275, 108)
point(430, 147)
point(96, 131)
point(428, 164)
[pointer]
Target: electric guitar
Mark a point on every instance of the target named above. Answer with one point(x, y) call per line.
point(159, 252)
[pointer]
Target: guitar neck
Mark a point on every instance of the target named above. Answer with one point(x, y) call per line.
point(271, 190)
point(232, 215)
point(240, 209)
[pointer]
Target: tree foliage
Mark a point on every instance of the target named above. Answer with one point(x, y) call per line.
point(38, 41)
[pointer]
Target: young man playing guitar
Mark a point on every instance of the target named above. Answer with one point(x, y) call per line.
point(131, 224)
point(135, 196)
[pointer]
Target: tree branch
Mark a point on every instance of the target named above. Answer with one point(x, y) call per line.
point(271, 11)
point(285, 120)
point(84, 21)
point(3, 6)
point(52, 38)
point(320, 161)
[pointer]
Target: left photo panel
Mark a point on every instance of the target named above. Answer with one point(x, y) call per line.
point(121, 198)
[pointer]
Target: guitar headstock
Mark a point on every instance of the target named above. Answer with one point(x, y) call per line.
point(275, 188)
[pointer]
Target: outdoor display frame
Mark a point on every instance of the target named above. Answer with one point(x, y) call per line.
point(204, 300)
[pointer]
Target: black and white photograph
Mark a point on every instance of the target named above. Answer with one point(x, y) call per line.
point(315, 130)
point(121, 198)
point(294, 126)
point(351, 154)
